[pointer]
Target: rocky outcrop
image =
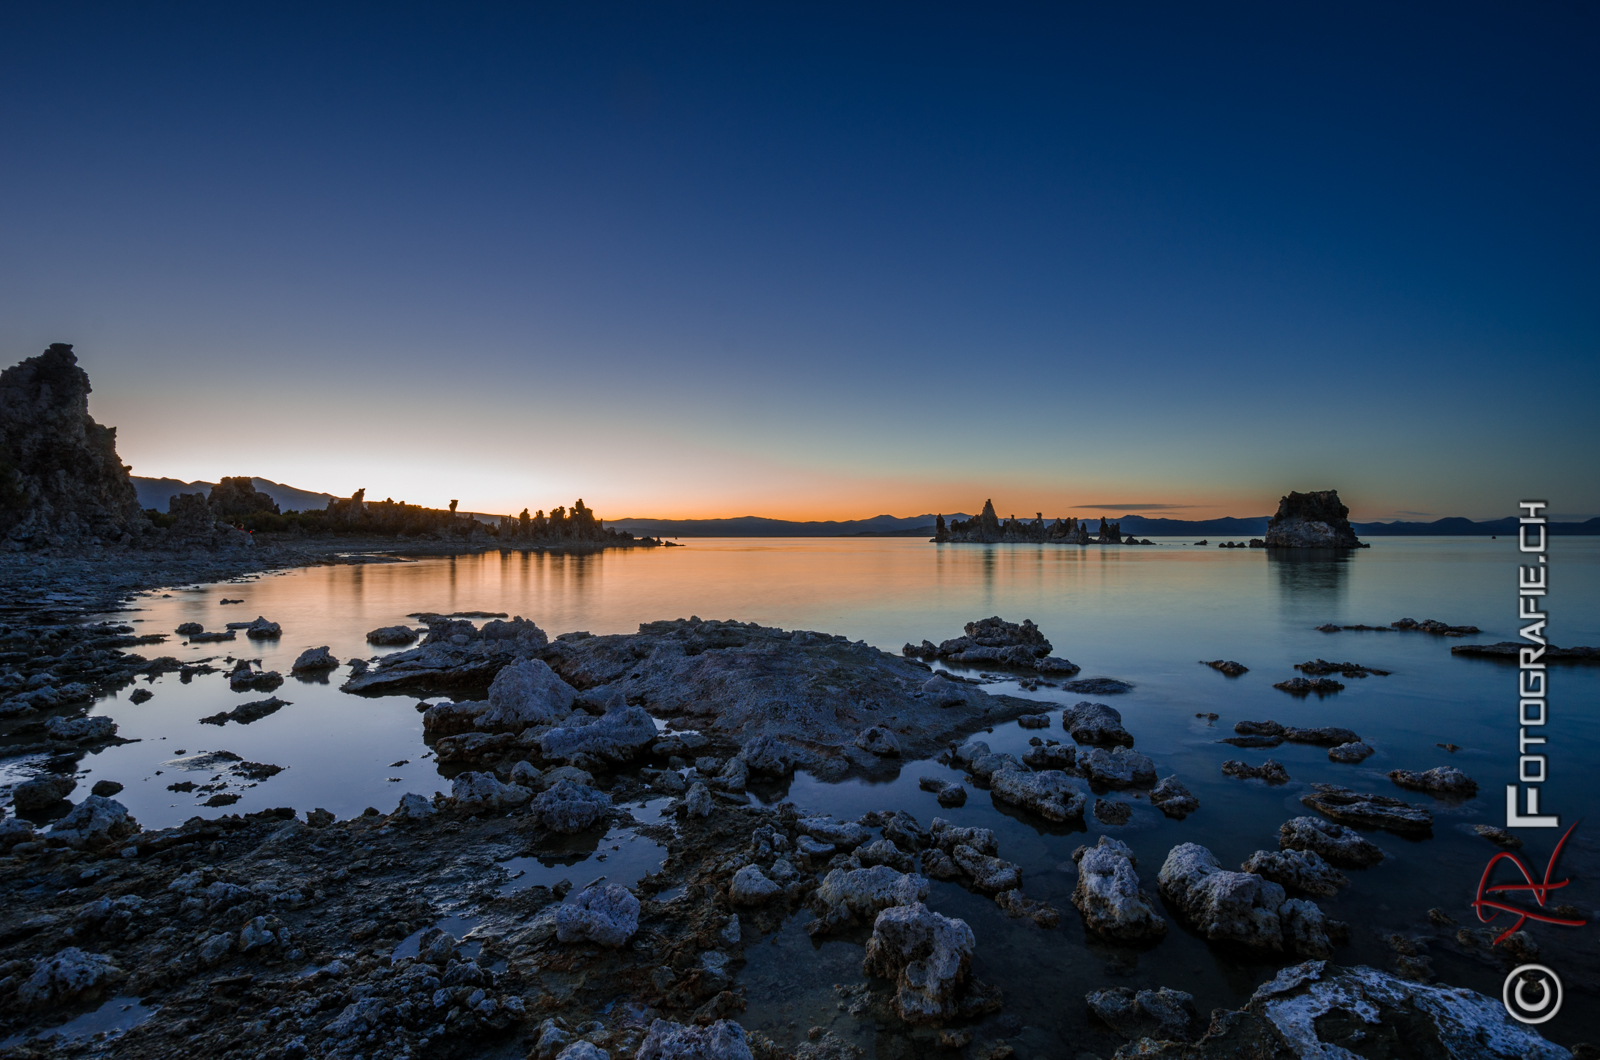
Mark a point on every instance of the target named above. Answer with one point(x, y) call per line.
point(1297, 870)
point(928, 956)
point(1311, 520)
point(722, 1040)
point(1367, 811)
point(1335, 842)
point(1173, 799)
point(60, 478)
point(1095, 723)
point(1163, 1014)
point(607, 916)
point(1121, 767)
point(234, 498)
point(1109, 896)
point(1240, 907)
point(1317, 1011)
point(1440, 780)
point(849, 896)
point(455, 654)
point(1049, 793)
point(995, 642)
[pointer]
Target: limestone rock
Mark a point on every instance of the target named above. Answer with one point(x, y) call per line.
point(1173, 799)
point(927, 955)
point(70, 975)
point(698, 801)
point(1304, 871)
point(314, 660)
point(1349, 752)
point(1369, 811)
point(991, 875)
point(413, 807)
point(1311, 520)
point(848, 895)
point(482, 793)
point(261, 629)
point(723, 1040)
point(750, 887)
point(1272, 771)
point(1441, 780)
point(1109, 897)
point(1051, 793)
point(846, 834)
point(569, 808)
point(1095, 723)
point(392, 635)
point(879, 741)
point(526, 693)
point(1121, 767)
point(1224, 906)
point(617, 736)
point(1163, 1014)
point(94, 824)
point(42, 792)
point(60, 477)
point(1336, 843)
point(607, 915)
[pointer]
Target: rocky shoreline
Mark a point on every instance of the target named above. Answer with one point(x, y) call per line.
point(404, 934)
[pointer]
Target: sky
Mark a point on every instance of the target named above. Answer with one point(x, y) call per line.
point(821, 260)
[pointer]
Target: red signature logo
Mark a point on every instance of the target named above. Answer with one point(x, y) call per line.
point(1541, 891)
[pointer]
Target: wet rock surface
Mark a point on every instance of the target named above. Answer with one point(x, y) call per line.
point(1441, 780)
point(1271, 771)
point(1367, 810)
point(1163, 1014)
point(1108, 894)
point(1226, 666)
point(1095, 723)
point(1336, 843)
point(1240, 908)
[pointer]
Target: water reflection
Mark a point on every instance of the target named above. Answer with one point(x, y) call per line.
point(1311, 582)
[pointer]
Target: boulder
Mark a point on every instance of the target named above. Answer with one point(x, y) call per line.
point(1304, 871)
point(722, 1040)
point(846, 896)
point(447, 719)
point(96, 823)
point(1335, 843)
point(769, 756)
point(1052, 756)
point(1173, 799)
point(1272, 771)
point(261, 629)
point(413, 807)
point(1369, 811)
point(616, 736)
point(482, 793)
point(1121, 767)
point(928, 956)
point(81, 730)
point(528, 693)
point(1163, 1014)
point(879, 741)
point(943, 691)
point(1051, 794)
point(990, 875)
point(751, 887)
point(1109, 897)
point(607, 916)
point(1326, 735)
point(1349, 752)
point(1311, 520)
point(884, 852)
point(1098, 686)
point(1441, 780)
point(314, 660)
point(1238, 907)
point(70, 975)
point(846, 834)
point(392, 635)
point(698, 801)
point(570, 808)
point(42, 792)
point(1095, 723)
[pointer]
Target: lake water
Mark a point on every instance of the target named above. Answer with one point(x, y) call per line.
point(1145, 615)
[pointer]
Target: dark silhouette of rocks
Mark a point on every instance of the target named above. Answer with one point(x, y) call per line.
point(1508, 649)
point(234, 498)
point(60, 479)
point(1226, 666)
point(1311, 520)
point(987, 527)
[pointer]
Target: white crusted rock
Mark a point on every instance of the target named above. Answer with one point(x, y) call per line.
point(569, 808)
point(750, 887)
point(607, 915)
point(723, 1040)
point(94, 824)
point(927, 955)
point(848, 895)
point(70, 975)
point(527, 693)
point(617, 736)
point(1049, 793)
point(1224, 906)
point(1109, 897)
point(482, 793)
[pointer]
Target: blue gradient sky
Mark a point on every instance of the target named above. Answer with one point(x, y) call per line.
point(820, 261)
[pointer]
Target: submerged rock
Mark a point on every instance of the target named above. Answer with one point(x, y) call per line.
point(1441, 780)
point(1300, 686)
point(1297, 870)
point(1109, 896)
point(1095, 723)
point(1098, 686)
point(1173, 799)
point(1369, 811)
point(1164, 1014)
point(1335, 842)
point(1271, 771)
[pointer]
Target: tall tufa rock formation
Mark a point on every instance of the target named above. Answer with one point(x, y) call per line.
point(1312, 520)
point(60, 478)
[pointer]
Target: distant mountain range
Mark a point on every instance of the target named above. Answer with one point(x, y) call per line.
point(918, 525)
point(157, 492)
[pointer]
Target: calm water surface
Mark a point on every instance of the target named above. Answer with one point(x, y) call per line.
point(1145, 615)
